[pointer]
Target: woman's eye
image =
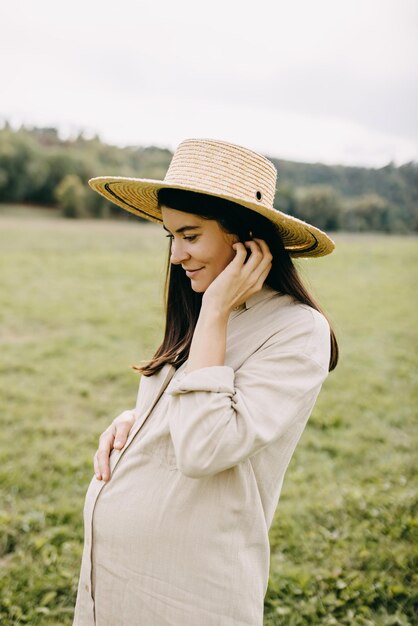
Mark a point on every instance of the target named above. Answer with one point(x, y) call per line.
point(187, 238)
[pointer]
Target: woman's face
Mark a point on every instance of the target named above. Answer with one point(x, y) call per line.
point(199, 245)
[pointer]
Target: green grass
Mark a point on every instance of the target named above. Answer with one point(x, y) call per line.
point(80, 301)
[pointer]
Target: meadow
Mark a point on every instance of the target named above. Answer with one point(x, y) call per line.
point(80, 301)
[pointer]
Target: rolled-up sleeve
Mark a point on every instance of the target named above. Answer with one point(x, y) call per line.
point(218, 417)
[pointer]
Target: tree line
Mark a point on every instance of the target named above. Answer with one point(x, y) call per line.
point(40, 168)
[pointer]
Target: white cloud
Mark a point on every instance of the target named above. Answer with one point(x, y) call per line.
point(315, 81)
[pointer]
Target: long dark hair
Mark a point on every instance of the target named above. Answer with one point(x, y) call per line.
point(182, 304)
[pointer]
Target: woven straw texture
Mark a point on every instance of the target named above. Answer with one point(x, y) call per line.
point(220, 169)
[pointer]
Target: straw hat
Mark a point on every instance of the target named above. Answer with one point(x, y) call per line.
point(218, 169)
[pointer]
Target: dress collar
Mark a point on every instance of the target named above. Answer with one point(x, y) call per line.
point(264, 293)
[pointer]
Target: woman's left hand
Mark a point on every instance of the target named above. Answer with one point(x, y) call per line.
point(241, 278)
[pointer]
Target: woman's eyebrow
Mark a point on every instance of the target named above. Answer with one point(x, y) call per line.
point(182, 229)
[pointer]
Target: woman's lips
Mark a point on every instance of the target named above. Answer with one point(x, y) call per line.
point(190, 273)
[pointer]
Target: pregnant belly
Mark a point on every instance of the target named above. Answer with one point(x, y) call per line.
point(156, 529)
point(150, 508)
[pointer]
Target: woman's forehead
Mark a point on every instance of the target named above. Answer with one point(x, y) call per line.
point(175, 220)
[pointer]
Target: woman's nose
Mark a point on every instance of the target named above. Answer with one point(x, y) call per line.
point(178, 254)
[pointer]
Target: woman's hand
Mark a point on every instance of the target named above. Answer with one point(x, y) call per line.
point(114, 436)
point(234, 285)
point(241, 278)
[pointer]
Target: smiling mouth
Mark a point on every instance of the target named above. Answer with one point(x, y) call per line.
point(192, 272)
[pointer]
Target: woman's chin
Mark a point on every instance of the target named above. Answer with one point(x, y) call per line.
point(198, 288)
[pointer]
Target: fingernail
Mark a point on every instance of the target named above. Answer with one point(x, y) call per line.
point(98, 476)
point(118, 442)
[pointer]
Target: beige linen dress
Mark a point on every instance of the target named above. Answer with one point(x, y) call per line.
point(179, 535)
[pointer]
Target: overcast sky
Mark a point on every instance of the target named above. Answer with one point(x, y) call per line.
point(309, 80)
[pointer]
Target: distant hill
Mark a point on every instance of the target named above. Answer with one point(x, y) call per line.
point(37, 166)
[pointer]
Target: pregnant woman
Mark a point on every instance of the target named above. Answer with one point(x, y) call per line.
point(187, 483)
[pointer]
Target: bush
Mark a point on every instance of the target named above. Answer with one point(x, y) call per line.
point(372, 212)
point(71, 196)
point(319, 205)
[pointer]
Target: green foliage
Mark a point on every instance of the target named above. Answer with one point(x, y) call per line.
point(372, 212)
point(319, 205)
point(398, 186)
point(285, 201)
point(71, 196)
point(34, 162)
point(81, 301)
point(22, 173)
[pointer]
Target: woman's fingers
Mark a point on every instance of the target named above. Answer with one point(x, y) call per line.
point(259, 260)
point(257, 267)
point(241, 278)
point(101, 458)
point(256, 254)
point(262, 276)
point(266, 261)
point(123, 425)
point(241, 253)
point(113, 437)
point(260, 249)
point(264, 247)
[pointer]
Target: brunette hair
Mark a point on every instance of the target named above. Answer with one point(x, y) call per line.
point(182, 304)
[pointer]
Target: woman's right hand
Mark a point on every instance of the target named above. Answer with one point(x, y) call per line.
point(114, 436)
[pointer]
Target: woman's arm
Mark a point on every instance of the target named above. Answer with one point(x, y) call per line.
point(219, 417)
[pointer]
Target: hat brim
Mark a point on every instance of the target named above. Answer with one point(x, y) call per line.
point(139, 196)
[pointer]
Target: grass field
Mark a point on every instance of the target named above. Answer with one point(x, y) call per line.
point(81, 301)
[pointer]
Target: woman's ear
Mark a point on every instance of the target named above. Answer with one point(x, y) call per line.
point(232, 238)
